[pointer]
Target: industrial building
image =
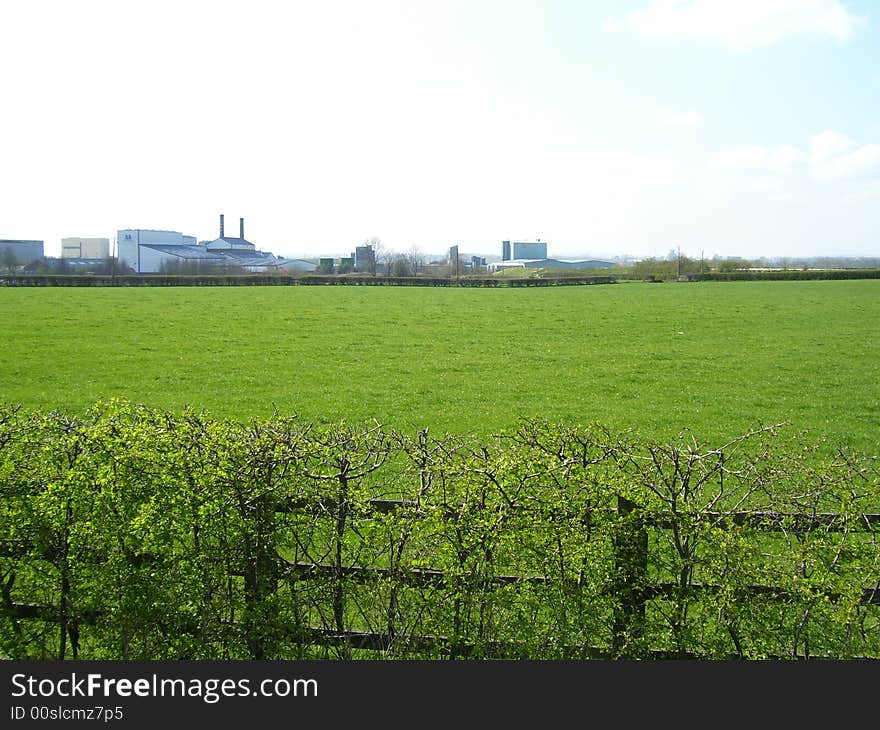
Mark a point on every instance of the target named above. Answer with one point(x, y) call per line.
point(151, 252)
point(453, 261)
point(85, 248)
point(550, 264)
point(364, 258)
point(297, 265)
point(141, 249)
point(238, 251)
point(523, 250)
point(533, 255)
point(24, 251)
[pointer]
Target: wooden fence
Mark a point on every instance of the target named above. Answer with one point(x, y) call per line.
point(632, 591)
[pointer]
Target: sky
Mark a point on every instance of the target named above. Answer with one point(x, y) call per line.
point(611, 128)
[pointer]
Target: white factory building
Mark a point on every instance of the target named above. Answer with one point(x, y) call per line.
point(152, 252)
point(85, 248)
point(141, 249)
point(533, 255)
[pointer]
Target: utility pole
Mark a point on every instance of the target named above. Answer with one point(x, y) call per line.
point(679, 262)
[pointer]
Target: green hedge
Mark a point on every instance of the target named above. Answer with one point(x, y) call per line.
point(131, 533)
point(787, 275)
point(350, 280)
point(284, 280)
point(148, 280)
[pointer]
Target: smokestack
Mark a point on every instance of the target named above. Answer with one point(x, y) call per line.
point(241, 228)
point(221, 225)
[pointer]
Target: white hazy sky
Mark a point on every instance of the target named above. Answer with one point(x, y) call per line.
point(619, 127)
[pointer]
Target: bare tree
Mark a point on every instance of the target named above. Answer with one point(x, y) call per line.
point(416, 259)
point(406, 264)
point(399, 265)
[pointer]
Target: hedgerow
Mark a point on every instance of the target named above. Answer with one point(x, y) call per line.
point(132, 533)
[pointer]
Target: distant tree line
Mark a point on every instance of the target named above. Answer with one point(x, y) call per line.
point(403, 265)
point(675, 265)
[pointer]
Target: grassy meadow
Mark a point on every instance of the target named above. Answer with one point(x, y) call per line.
point(713, 359)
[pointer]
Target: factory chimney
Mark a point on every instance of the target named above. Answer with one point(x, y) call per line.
point(241, 228)
point(221, 225)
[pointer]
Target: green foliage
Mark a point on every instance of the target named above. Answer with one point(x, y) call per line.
point(134, 533)
point(671, 267)
point(787, 275)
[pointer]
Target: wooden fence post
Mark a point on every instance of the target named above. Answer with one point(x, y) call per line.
point(260, 576)
point(630, 573)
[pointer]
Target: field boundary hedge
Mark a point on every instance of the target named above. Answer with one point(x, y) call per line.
point(133, 533)
point(787, 275)
point(100, 280)
point(279, 280)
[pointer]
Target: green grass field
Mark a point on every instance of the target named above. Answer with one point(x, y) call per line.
point(714, 359)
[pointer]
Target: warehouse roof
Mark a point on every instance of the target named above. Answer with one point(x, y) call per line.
point(184, 252)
